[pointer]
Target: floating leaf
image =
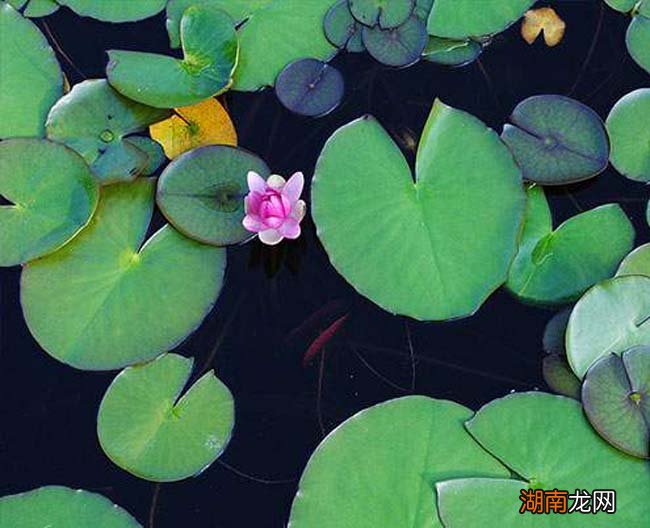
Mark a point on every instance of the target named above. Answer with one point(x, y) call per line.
point(379, 467)
point(616, 399)
point(543, 20)
point(557, 140)
point(56, 506)
point(31, 77)
point(388, 14)
point(459, 19)
point(95, 120)
point(342, 29)
point(202, 193)
point(153, 151)
point(266, 50)
point(431, 249)
point(111, 11)
point(205, 123)
point(624, 6)
point(636, 263)
point(555, 331)
point(310, 87)
point(35, 8)
point(638, 40)
point(397, 47)
point(423, 9)
point(548, 442)
point(557, 266)
point(105, 300)
point(210, 51)
point(612, 317)
point(53, 195)
point(451, 52)
point(149, 428)
point(559, 376)
point(629, 133)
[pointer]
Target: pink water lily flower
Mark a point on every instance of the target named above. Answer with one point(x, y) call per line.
point(274, 209)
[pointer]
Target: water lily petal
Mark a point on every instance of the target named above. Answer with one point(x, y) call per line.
point(270, 237)
point(293, 188)
point(252, 202)
point(290, 228)
point(256, 183)
point(299, 210)
point(276, 182)
point(252, 224)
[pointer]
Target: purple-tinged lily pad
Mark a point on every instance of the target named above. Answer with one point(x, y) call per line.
point(342, 29)
point(555, 366)
point(399, 47)
point(386, 14)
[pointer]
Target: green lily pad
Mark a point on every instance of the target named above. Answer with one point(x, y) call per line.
point(459, 19)
point(153, 150)
point(612, 317)
point(94, 120)
point(638, 40)
point(149, 428)
point(387, 14)
point(202, 193)
point(629, 133)
point(616, 399)
point(53, 196)
point(379, 467)
point(106, 300)
point(35, 8)
point(111, 11)
point(557, 140)
point(239, 10)
point(557, 266)
point(31, 77)
point(342, 29)
point(210, 51)
point(636, 263)
point(56, 506)
point(624, 6)
point(399, 47)
point(416, 247)
point(451, 52)
point(548, 442)
point(265, 50)
point(422, 9)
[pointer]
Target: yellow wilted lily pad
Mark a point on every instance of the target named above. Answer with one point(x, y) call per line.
point(544, 20)
point(205, 123)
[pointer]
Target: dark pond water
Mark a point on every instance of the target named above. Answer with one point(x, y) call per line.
point(48, 411)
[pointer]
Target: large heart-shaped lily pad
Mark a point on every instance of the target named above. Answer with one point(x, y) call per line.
point(112, 11)
point(387, 14)
point(616, 398)
point(60, 507)
point(557, 266)
point(399, 47)
point(94, 120)
point(35, 8)
point(266, 50)
point(434, 248)
point(149, 429)
point(53, 195)
point(451, 52)
point(379, 467)
point(210, 49)
point(459, 19)
point(629, 133)
point(638, 37)
point(549, 444)
point(610, 318)
point(31, 77)
point(557, 140)
point(202, 193)
point(636, 263)
point(105, 300)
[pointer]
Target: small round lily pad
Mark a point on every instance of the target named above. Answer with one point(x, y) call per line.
point(202, 193)
point(147, 426)
point(422, 9)
point(57, 506)
point(624, 6)
point(451, 52)
point(112, 11)
point(35, 8)
point(399, 47)
point(342, 29)
point(557, 140)
point(636, 263)
point(629, 133)
point(555, 331)
point(638, 40)
point(53, 196)
point(310, 87)
point(559, 376)
point(616, 399)
point(387, 14)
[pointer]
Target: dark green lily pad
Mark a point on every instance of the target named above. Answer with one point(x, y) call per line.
point(624, 6)
point(153, 150)
point(549, 444)
point(387, 14)
point(59, 507)
point(629, 133)
point(610, 318)
point(112, 11)
point(31, 77)
point(557, 266)
point(35, 8)
point(210, 49)
point(149, 428)
point(422, 9)
point(53, 196)
point(342, 29)
point(616, 399)
point(202, 193)
point(559, 377)
point(557, 140)
point(636, 263)
point(555, 331)
point(310, 87)
point(638, 40)
point(109, 299)
point(379, 467)
point(397, 47)
point(94, 120)
point(451, 52)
